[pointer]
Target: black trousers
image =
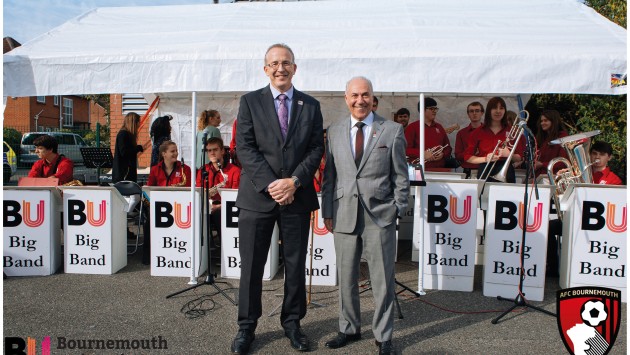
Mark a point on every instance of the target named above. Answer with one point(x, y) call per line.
point(255, 231)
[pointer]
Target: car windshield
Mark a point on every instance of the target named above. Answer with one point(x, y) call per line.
point(28, 139)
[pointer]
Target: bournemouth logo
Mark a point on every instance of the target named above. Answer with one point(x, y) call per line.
point(588, 319)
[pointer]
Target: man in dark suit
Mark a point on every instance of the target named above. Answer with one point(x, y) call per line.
point(366, 186)
point(279, 142)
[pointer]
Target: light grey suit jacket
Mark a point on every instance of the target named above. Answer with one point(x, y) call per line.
point(381, 182)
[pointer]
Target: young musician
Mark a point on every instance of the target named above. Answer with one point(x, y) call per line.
point(51, 164)
point(168, 172)
point(220, 174)
point(483, 140)
point(549, 128)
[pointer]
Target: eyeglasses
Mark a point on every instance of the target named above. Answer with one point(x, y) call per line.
point(434, 109)
point(475, 111)
point(275, 65)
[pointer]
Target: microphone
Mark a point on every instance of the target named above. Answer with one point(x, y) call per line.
point(523, 125)
point(204, 139)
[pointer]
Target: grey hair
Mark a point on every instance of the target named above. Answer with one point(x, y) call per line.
point(280, 45)
point(360, 78)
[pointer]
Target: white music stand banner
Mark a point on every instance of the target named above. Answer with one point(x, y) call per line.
point(595, 239)
point(450, 223)
point(324, 268)
point(504, 229)
point(31, 231)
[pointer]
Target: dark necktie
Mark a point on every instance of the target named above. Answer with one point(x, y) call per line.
point(283, 115)
point(358, 144)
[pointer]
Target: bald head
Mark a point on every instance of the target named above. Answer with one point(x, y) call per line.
point(359, 97)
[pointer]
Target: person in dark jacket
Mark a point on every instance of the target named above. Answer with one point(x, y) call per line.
point(160, 133)
point(125, 164)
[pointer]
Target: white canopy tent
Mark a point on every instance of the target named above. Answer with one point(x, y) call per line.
point(405, 47)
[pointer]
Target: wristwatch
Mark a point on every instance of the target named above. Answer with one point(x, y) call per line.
point(296, 181)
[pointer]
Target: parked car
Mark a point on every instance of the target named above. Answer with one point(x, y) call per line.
point(69, 146)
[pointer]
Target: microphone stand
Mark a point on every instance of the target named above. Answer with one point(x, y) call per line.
point(204, 198)
point(519, 300)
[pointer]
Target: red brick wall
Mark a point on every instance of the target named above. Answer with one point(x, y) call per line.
point(20, 112)
point(115, 121)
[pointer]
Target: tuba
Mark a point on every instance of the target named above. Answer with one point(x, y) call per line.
point(576, 168)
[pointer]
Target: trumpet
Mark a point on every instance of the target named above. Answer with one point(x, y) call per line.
point(434, 150)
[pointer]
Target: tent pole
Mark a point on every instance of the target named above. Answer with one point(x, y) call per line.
point(193, 180)
point(418, 216)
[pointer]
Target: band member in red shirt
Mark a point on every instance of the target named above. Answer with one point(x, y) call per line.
point(51, 164)
point(434, 136)
point(549, 128)
point(169, 171)
point(219, 174)
point(602, 175)
point(483, 140)
point(475, 114)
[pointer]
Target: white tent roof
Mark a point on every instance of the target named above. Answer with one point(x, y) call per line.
point(450, 46)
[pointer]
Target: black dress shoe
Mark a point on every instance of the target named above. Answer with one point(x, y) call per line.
point(385, 348)
point(341, 339)
point(242, 341)
point(299, 341)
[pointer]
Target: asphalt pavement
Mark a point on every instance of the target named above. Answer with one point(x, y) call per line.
point(131, 306)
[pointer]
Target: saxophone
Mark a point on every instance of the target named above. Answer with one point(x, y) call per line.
point(183, 182)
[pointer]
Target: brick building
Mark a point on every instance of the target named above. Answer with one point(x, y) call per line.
point(119, 106)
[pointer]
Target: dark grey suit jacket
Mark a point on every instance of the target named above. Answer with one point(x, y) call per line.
point(265, 157)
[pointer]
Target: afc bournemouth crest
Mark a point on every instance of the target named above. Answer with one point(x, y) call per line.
point(588, 319)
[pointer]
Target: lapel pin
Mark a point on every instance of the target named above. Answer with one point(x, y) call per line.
point(300, 102)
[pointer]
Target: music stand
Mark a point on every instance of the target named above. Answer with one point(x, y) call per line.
point(97, 158)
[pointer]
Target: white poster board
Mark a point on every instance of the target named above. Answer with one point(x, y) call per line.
point(171, 220)
point(31, 231)
point(230, 257)
point(504, 230)
point(594, 244)
point(324, 262)
point(450, 223)
point(95, 230)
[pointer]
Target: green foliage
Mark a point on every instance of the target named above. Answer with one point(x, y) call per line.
point(13, 137)
point(90, 137)
point(614, 10)
point(585, 113)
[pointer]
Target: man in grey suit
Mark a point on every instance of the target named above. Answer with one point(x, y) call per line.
point(279, 142)
point(366, 187)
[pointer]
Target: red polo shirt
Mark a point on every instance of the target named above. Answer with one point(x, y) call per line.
point(232, 171)
point(606, 177)
point(43, 169)
point(158, 176)
point(485, 140)
point(434, 136)
point(461, 142)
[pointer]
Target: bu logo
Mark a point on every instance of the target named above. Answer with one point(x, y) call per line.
point(166, 215)
point(13, 218)
point(593, 217)
point(77, 216)
point(437, 211)
point(588, 318)
point(505, 217)
point(19, 346)
point(317, 229)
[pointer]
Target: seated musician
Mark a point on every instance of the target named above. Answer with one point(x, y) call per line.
point(168, 172)
point(51, 164)
point(217, 173)
point(602, 175)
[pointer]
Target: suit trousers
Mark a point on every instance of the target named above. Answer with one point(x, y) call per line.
point(378, 246)
point(255, 231)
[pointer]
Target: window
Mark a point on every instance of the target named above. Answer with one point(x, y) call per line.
point(56, 100)
point(41, 99)
point(67, 112)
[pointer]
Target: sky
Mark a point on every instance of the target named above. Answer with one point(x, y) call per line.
point(24, 20)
